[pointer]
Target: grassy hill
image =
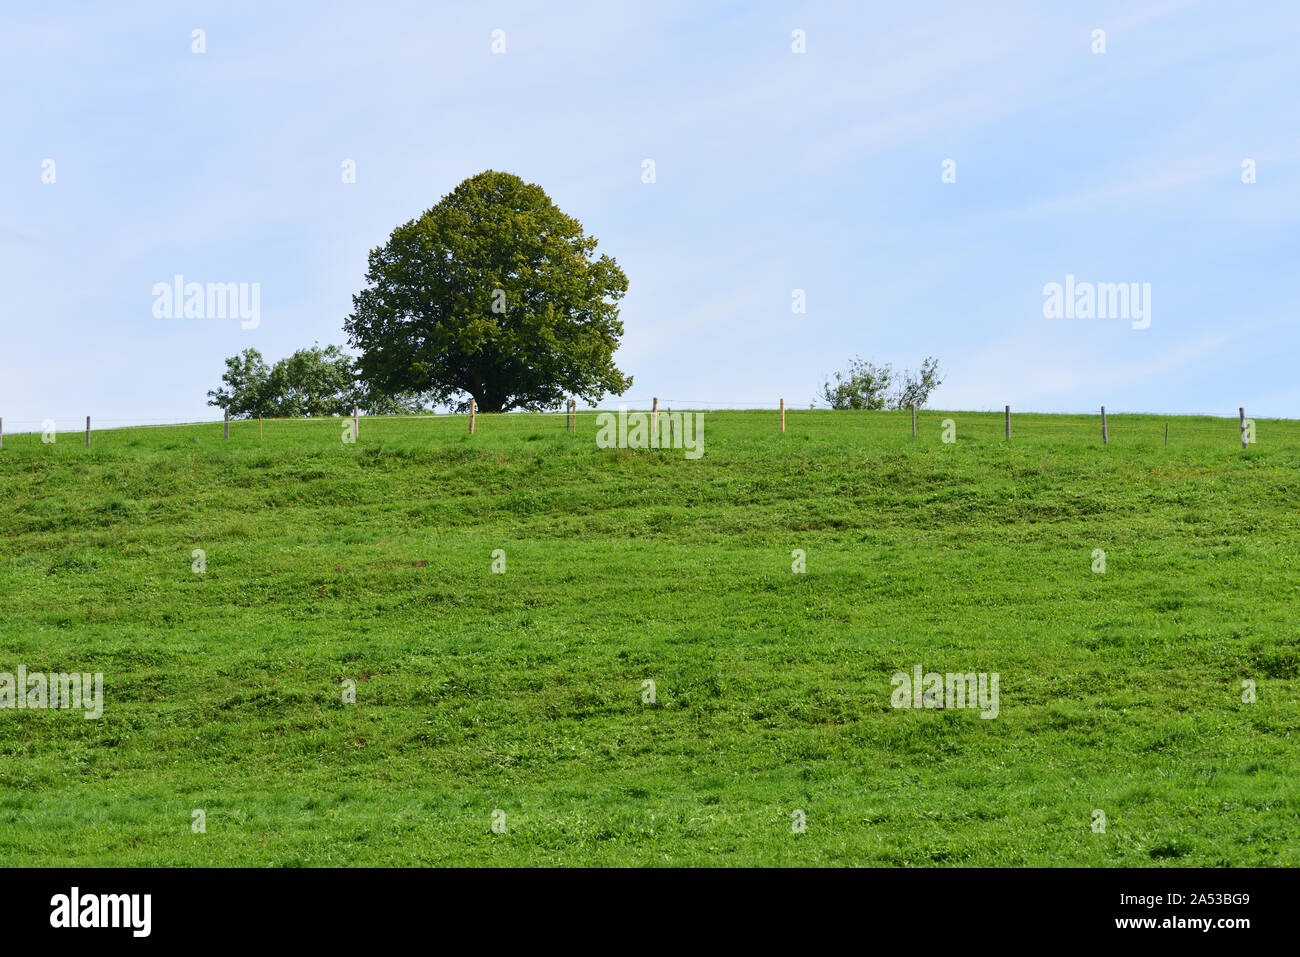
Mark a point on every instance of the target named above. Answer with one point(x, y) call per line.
point(522, 692)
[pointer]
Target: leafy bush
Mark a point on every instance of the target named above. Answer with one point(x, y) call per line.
point(865, 385)
point(311, 382)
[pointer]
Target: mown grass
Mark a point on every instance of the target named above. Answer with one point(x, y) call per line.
point(522, 692)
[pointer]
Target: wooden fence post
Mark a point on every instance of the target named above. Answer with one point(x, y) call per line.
point(783, 416)
point(87, 431)
point(227, 425)
point(913, 421)
point(1105, 439)
point(654, 419)
point(356, 422)
point(1241, 414)
point(471, 416)
point(259, 426)
point(1008, 415)
point(1166, 435)
point(573, 418)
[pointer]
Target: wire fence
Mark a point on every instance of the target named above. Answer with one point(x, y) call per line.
point(1101, 427)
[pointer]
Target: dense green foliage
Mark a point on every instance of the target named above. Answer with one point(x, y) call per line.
point(311, 382)
point(522, 691)
point(492, 293)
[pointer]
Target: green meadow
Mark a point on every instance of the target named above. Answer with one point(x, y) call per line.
point(520, 697)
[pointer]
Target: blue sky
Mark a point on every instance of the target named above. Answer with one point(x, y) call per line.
point(774, 170)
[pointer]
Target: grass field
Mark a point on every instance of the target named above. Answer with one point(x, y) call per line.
point(523, 691)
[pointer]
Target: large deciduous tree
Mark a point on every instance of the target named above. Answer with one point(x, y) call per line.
point(495, 294)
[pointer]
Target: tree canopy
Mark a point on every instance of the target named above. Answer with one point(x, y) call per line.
point(311, 382)
point(495, 294)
